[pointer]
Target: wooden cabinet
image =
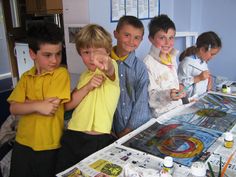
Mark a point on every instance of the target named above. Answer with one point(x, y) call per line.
point(44, 6)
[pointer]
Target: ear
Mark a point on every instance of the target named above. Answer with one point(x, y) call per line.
point(115, 34)
point(150, 39)
point(202, 50)
point(32, 54)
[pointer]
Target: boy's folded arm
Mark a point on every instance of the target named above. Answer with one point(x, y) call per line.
point(17, 108)
point(77, 96)
point(44, 107)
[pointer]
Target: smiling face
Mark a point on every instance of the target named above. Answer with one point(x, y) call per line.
point(164, 40)
point(47, 58)
point(128, 39)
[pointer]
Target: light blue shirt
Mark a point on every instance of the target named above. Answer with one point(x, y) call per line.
point(132, 110)
point(190, 67)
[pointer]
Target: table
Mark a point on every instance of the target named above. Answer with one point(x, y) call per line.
point(197, 130)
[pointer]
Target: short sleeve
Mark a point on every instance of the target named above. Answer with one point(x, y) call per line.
point(60, 85)
point(19, 92)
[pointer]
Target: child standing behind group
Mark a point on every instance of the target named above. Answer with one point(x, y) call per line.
point(95, 99)
point(132, 110)
point(39, 99)
point(193, 70)
point(164, 88)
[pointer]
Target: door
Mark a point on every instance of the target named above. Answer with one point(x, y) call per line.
point(13, 34)
point(5, 69)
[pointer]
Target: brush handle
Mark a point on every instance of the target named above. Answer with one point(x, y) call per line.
point(185, 88)
point(201, 70)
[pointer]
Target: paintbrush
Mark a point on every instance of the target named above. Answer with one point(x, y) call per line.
point(227, 163)
point(185, 88)
point(201, 70)
point(211, 170)
point(219, 174)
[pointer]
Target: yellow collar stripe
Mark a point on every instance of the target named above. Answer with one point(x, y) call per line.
point(115, 57)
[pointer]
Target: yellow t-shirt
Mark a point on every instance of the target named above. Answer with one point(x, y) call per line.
point(34, 130)
point(96, 110)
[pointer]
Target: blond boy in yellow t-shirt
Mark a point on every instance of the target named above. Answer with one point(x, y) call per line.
point(39, 99)
point(95, 98)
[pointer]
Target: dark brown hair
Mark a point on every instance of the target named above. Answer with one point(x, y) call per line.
point(158, 23)
point(207, 40)
point(43, 33)
point(129, 20)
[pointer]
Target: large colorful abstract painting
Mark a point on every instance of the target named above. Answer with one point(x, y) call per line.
point(184, 142)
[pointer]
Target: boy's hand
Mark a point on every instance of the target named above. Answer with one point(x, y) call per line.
point(96, 81)
point(101, 59)
point(103, 62)
point(176, 94)
point(49, 106)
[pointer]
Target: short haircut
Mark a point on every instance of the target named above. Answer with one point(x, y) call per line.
point(93, 36)
point(43, 33)
point(158, 23)
point(129, 20)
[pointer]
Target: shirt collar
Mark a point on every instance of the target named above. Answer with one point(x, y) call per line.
point(129, 58)
point(197, 58)
point(116, 57)
point(155, 52)
point(32, 72)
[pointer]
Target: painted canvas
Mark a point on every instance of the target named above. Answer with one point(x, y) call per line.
point(223, 102)
point(212, 111)
point(211, 118)
point(184, 142)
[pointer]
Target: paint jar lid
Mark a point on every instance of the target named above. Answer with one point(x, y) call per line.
point(224, 86)
point(228, 136)
point(165, 175)
point(228, 89)
point(198, 169)
point(168, 161)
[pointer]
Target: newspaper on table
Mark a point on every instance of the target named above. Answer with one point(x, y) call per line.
point(119, 161)
point(197, 127)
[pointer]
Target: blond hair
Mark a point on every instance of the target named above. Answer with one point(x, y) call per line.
point(93, 36)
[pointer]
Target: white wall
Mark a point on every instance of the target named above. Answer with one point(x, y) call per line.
point(99, 12)
point(188, 15)
point(220, 16)
point(214, 15)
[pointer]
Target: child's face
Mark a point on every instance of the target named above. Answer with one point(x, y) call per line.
point(128, 39)
point(207, 55)
point(47, 58)
point(164, 41)
point(88, 56)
